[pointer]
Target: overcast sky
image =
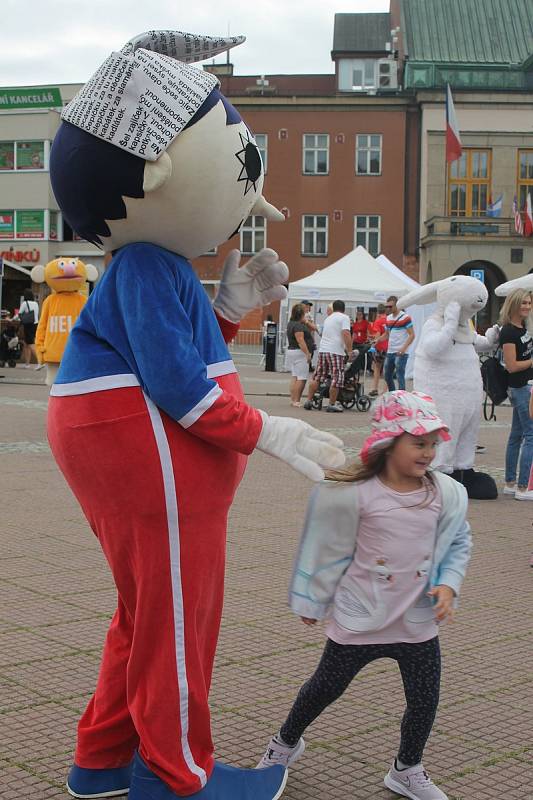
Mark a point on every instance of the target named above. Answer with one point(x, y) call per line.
point(64, 41)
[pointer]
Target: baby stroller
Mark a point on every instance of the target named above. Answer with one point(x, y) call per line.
point(353, 392)
point(10, 346)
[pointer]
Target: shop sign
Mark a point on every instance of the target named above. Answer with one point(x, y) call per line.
point(7, 224)
point(30, 155)
point(7, 156)
point(30, 97)
point(21, 255)
point(54, 219)
point(30, 225)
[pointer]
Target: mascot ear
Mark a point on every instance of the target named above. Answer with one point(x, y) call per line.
point(420, 297)
point(92, 272)
point(525, 282)
point(156, 173)
point(37, 274)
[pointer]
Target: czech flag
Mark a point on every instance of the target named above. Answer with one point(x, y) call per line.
point(454, 147)
point(528, 219)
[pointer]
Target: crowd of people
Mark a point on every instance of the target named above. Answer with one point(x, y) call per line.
point(385, 339)
point(314, 355)
point(23, 323)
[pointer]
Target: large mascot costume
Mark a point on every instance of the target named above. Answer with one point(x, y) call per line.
point(447, 368)
point(65, 277)
point(147, 419)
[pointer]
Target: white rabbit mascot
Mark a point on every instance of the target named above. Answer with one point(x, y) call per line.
point(147, 419)
point(447, 368)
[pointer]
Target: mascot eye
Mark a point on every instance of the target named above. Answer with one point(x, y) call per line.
point(250, 159)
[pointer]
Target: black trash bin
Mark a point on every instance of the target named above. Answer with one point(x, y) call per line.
point(271, 341)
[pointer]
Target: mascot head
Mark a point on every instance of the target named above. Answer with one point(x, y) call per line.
point(469, 292)
point(64, 274)
point(150, 150)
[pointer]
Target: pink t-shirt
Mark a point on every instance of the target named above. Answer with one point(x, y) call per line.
point(382, 598)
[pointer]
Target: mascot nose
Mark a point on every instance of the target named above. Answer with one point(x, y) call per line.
point(69, 271)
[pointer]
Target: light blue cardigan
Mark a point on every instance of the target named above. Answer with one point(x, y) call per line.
point(329, 540)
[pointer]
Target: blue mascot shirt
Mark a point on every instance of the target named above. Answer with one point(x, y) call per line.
point(147, 319)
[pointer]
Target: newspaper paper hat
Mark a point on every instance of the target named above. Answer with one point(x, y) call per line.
point(141, 98)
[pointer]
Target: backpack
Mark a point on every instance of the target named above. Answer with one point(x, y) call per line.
point(495, 378)
point(27, 317)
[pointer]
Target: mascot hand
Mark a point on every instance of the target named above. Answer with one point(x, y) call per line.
point(303, 447)
point(452, 313)
point(258, 283)
point(492, 335)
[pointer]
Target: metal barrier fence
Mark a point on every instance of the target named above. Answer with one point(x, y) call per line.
point(247, 348)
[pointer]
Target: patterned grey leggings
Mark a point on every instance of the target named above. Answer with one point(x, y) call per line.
point(419, 665)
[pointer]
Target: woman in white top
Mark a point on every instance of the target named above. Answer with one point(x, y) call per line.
point(28, 306)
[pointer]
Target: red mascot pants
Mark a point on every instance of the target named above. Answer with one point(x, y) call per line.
point(157, 498)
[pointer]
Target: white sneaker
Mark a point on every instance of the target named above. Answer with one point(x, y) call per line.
point(413, 782)
point(523, 494)
point(509, 488)
point(279, 753)
point(335, 407)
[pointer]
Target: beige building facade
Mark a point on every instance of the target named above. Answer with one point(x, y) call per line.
point(32, 229)
point(456, 235)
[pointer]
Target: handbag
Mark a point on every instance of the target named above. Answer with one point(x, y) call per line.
point(27, 317)
point(495, 378)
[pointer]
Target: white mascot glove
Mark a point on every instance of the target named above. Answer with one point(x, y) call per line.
point(492, 335)
point(452, 313)
point(258, 283)
point(300, 445)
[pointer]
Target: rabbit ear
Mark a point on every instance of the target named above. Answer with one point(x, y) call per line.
point(525, 282)
point(420, 297)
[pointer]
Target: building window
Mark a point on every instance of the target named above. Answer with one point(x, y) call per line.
point(316, 154)
point(24, 155)
point(253, 235)
point(314, 235)
point(357, 74)
point(525, 176)
point(469, 184)
point(368, 154)
point(363, 75)
point(261, 140)
point(368, 232)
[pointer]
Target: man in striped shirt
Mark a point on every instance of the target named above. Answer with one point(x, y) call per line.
point(400, 332)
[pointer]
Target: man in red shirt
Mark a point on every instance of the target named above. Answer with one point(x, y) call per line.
point(375, 330)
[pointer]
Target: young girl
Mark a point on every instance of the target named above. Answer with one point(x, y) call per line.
point(382, 557)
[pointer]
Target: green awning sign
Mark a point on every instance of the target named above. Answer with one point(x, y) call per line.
point(30, 97)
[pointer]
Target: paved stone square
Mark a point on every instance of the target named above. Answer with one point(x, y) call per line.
point(56, 599)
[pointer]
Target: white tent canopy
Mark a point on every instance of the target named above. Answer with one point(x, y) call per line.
point(355, 278)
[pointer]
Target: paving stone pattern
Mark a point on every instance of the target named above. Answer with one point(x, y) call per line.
point(56, 600)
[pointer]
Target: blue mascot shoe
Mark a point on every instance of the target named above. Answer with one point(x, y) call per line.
point(94, 783)
point(225, 783)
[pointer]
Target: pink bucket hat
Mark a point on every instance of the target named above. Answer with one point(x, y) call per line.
point(401, 412)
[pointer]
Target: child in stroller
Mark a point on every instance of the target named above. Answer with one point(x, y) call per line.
point(353, 392)
point(10, 346)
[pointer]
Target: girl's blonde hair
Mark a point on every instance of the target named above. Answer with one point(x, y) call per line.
point(512, 304)
point(374, 465)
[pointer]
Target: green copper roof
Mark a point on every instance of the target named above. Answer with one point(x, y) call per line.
point(469, 31)
point(361, 33)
